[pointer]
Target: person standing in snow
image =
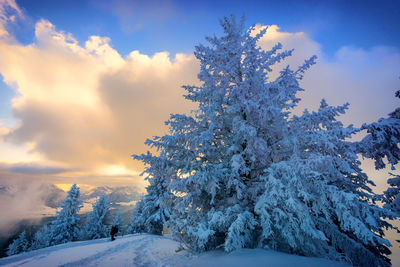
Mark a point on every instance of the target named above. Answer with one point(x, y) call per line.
point(114, 231)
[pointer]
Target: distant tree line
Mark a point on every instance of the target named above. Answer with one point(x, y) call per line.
point(67, 225)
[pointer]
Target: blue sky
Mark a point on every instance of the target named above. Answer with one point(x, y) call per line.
point(176, 26)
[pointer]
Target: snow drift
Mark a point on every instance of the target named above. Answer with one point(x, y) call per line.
point(152, 250)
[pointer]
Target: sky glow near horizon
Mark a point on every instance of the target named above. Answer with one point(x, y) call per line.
point(84, 84)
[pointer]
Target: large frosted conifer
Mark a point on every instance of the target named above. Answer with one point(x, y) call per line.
point(65, 227)
point(243, 171)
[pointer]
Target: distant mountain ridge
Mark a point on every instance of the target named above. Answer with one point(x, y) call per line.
point(51, 195)
point(124, 194)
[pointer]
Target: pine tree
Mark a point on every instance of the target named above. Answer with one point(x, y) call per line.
point(392, 194)
point(243, 171)
point(152, 209)
point(65, 227)
point(41, 239)
point(382, 140)
point(19, 245)
point(96, 220)
point(328, 205)
point(117, 221)
point(137, 221)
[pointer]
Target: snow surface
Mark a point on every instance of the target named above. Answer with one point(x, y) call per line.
point(151, 250)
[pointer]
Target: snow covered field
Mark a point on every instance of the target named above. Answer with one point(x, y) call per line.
point(151, 250)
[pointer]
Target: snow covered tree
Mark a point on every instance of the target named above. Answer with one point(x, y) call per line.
point(41, 239)
point(96, 220)
point(327, 206)
point(65, 227)
point(382, 140)
point(137, 221)
point(20, 244)
point(152, 212)
point(244, 171)
point(392, 194)
point(117, 221)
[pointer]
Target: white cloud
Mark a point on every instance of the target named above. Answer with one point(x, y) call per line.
point(367, 79)
point(9, 11)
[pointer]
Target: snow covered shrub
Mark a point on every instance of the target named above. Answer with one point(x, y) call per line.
point(243, 171)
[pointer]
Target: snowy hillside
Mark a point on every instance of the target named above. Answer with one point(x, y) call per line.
point(151, 250)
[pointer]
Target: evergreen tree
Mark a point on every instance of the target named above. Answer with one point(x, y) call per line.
point(382, 140)
point(153, 206)
point(243, 171)
point(19, 245)
point(65, 227)
point(96, 220)
point(41, 238)
point(137, 222)
point(392, 194)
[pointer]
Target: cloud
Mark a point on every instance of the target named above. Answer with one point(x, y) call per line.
point(24, 198)
point(367, 79)
point(33, 168)
point(86, 106)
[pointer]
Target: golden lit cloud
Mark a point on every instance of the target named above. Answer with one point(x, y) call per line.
point(86, 106)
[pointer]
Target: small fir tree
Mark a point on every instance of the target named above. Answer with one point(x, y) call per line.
point(65, 227)
point(137, 221)
point(41, 239)
point(152, 209)
point(96, 220)
point(19, 245)
point(382, 140)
